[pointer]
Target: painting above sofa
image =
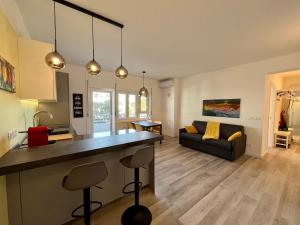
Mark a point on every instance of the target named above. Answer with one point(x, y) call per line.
point(222, 108)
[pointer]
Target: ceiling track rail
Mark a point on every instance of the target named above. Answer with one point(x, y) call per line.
point(90, 13)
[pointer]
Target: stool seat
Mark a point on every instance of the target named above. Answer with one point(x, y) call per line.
point(126, 161)
point(84, 177)
point(140, 159)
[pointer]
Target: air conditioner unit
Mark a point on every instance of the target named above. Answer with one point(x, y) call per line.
point(167, 83)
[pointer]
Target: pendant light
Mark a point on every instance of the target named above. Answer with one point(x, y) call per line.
point(121, 71)
point(143, 91)
point(54, 59)
point(92, 66)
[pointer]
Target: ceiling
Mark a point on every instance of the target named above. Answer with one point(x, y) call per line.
point(170, 38)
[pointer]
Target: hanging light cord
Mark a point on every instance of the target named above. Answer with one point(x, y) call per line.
point(143, 78)
point(121, 46)
point(93, 38)
point(54, 11)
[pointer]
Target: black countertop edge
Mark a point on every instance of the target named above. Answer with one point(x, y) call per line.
point(25, 159)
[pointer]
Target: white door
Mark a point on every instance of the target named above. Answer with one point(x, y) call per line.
point(101, 112)
point(272, 116)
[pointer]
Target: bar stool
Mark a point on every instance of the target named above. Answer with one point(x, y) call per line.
point(84, 177)
point(137, 214)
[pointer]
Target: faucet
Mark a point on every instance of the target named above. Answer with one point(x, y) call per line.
point(39, 112)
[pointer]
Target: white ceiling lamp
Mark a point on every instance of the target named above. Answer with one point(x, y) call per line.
point(144, 91)
point(121, 71)
point(54, 59)
point(92, 66)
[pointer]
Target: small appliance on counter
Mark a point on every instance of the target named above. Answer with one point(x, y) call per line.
point(38, 136)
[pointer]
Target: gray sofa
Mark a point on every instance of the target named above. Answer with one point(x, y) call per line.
point(222, 147)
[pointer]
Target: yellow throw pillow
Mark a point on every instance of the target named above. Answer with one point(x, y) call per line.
point(212, 131)
point(235, 135)
point(191, 129)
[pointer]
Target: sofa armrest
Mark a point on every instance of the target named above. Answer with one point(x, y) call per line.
point(239, 146)
point(182, 130)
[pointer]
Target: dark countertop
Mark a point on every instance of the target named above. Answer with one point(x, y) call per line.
point(29, 158)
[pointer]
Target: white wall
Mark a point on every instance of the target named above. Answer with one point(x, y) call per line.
point(171, 109)
point(295, 114)
point(79, 81)
point(246, 82)
point(15, 114)
point(168, 99)
point(292, 82)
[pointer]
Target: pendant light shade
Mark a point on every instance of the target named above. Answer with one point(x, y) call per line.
point(144, 91)
point(121, 71)
point(92, 66)
point(54, 59)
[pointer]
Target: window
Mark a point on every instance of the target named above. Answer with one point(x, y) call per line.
point(131, 106)
point(143, 107)
point(122, 106)
point(143, 104)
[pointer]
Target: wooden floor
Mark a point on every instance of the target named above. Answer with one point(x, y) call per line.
point(194, 188)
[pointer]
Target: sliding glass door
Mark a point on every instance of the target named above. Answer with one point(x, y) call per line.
point(101, 110)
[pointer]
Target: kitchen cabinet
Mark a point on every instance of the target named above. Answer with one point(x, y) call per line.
point(37, 80)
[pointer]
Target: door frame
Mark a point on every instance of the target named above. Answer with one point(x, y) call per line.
point(112, 107)
point(271, 116)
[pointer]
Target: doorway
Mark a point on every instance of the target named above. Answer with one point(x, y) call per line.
point(282, 110)
point(101, 112)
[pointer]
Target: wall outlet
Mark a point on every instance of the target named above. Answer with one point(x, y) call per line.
point(12, 134)
point(248, 145)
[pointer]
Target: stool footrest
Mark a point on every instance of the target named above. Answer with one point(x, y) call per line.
point(127, 185)
point(74, 215)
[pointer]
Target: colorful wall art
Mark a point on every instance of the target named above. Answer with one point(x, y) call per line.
point(222, 108)
point(7, 76)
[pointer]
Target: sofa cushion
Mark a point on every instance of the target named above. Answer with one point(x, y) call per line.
point(221, 143)
point(191, 129)
point(200, 126)
point(191, 137)
point(226, 130)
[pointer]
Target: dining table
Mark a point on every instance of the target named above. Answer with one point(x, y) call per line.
point(147, 125)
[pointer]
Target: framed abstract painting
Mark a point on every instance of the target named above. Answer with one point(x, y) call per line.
point(7, 76)
point(222, 108)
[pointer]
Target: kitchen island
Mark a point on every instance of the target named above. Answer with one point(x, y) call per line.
point(34, 175)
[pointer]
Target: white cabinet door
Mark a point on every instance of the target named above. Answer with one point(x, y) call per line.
point(37, 80)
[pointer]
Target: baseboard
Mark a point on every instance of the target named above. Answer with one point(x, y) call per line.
point(253, 154)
